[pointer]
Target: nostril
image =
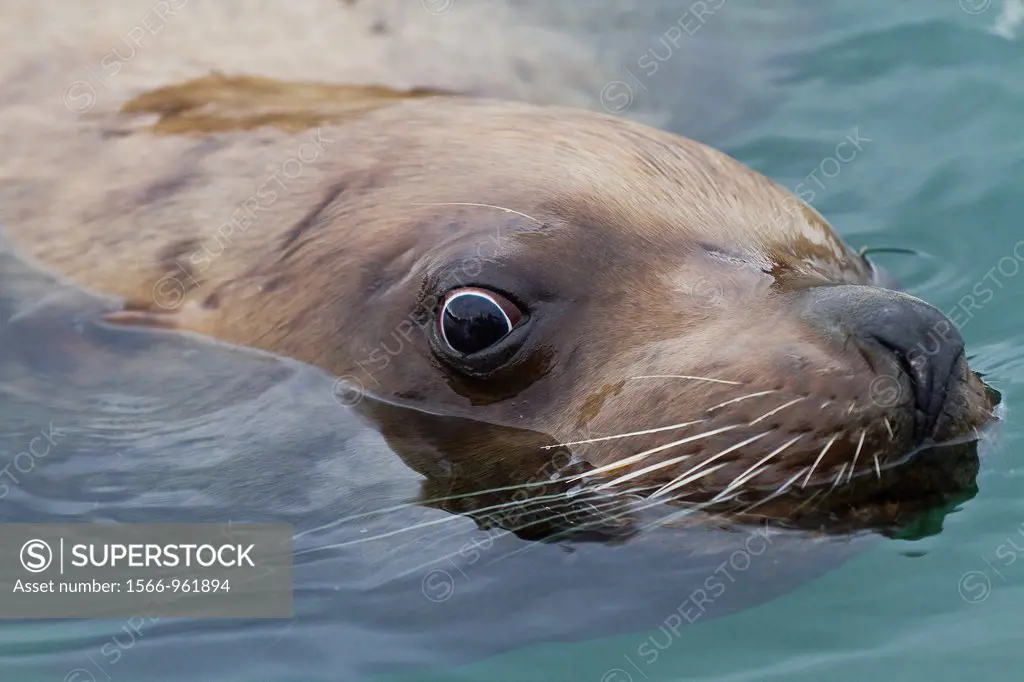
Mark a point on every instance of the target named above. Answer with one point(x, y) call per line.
point(927, 348)
point(932, 377)
point(903, 362)
point(929, 376)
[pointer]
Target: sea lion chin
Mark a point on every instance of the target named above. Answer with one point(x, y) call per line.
point(681, 326)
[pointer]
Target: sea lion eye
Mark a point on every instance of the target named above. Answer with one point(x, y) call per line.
point(472, 319)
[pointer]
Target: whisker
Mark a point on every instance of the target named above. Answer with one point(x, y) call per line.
point(686, 511)
point(806, 502)
point(467, 203)
point(818, 461)
point(736, 400)
point(404, 529)
point(584, 496)
point(435, 500)
point(783, 488)
point(523, 505)
point(683, 512)
point(888, 427)
point(556, 514)
point(777, 409)
point(686, 376)
point(439, 536)
point(476, 493)
point(842, 470)
point(718, 498)
point(567, 532)
point(538, 501)
point(651, 503)
point(607, 501)
point(878, 468)
point(624, 435)
point(682, 479)
point(646, 453)
point(747, 475)
point(434, 522)
point(445, 557)
point(689, 509)
point(856, 453)
point(638, 491)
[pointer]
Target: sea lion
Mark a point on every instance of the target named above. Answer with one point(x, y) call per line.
point(553, 269)
point(679, 325)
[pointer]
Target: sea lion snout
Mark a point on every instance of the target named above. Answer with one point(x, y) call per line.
point(901, 337)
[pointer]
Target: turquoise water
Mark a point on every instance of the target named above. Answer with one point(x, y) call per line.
point(931, 93)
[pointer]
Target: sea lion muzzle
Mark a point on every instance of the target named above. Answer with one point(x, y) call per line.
point(892, 328)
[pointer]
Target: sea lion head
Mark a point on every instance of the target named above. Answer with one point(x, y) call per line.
point(681, 325)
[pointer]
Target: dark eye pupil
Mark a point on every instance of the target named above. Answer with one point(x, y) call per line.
point(472, 322)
